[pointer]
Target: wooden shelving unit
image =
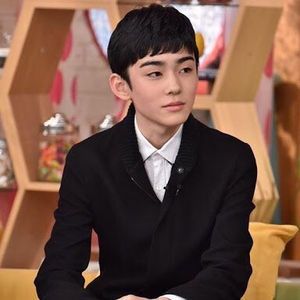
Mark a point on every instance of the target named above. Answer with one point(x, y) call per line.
point(24, 102)
point(24, 94)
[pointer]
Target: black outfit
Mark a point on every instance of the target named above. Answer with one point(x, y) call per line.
point(194, 244)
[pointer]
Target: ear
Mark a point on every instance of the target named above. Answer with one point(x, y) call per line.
point(119, 87)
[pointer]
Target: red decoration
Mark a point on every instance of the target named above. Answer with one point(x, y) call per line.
point(269, 66)
point(74, 90)
point(203, 88)
point(57, 88)
point(68, 46)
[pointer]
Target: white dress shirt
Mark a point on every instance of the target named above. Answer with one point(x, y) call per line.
point(158, 162)
point(158, 165)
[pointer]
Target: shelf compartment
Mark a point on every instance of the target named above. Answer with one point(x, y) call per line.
point(25, 236)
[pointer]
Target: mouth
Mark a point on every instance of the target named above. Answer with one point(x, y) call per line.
point(174, 106)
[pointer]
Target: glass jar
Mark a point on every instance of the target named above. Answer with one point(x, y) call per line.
point(57, 137)
point(107, 122)
point(7, 179)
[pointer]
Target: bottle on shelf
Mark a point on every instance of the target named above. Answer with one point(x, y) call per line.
point(7, 179)
point(57, 137)
point(107, 122)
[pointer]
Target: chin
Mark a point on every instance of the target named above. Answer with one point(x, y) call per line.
point(173, 122)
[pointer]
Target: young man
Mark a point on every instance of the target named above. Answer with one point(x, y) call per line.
point(168, 197)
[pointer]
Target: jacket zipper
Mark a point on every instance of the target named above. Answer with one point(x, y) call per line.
point(140, 187)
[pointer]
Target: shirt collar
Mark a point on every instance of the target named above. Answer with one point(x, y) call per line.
point(168, 151)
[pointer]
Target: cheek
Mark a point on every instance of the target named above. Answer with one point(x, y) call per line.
point(141, 88)
point(190, 83)
point(191, 90)
point(194, 86)
point(143, 97)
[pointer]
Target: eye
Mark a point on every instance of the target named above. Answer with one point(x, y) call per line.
point(154, 74)
point(186, 70)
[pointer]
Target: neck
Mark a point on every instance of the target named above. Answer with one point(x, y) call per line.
point(158, 136)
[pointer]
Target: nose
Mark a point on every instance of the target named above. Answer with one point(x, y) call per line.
point(173, 85)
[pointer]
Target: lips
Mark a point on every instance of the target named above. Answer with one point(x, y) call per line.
point(174, 104)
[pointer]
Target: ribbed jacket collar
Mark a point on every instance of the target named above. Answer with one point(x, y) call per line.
point(133, 162)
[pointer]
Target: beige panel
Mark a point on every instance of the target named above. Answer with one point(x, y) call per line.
point(41, 51)
point(203, 102)
point(241, 121)
point(246, 55)
point(42, 186)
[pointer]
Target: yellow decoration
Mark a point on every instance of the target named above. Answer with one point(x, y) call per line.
point(269, 241)
point(200, 43)
point(18, 284)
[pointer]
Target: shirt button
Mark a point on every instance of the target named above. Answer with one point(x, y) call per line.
point(180, 170)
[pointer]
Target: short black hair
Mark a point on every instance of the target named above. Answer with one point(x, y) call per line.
point(152, 30)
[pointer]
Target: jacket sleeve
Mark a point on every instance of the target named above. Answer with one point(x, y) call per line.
point(226, 263)
point(67, 252)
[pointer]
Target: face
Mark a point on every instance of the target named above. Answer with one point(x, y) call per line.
point(163, 90)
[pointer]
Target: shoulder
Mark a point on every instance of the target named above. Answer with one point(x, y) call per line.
point(95, 146)
point(220, 146)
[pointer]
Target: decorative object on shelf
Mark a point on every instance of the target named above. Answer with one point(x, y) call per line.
point(107, 122)
point(5, 39)
point(3, 54)
point(7, 179)
point(200, 43)
point(58, 135)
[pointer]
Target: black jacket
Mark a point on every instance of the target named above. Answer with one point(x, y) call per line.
point(194, 244)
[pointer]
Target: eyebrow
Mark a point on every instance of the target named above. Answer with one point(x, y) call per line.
point(161, 63)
